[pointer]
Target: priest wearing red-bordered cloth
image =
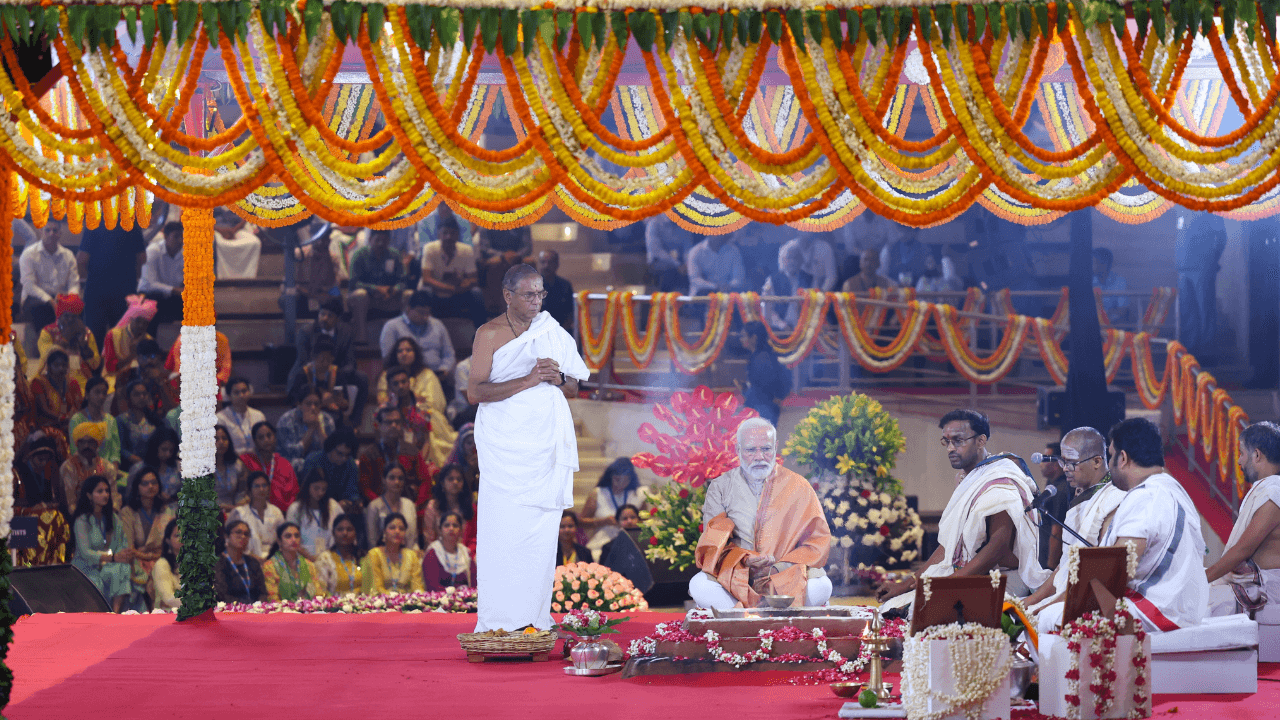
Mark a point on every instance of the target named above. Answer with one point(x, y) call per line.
point(764, 531)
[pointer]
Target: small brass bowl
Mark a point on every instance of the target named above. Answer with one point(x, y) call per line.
point(847, 689)
point(778, 601)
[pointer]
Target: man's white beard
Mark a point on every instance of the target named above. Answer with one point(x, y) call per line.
point(759, 472)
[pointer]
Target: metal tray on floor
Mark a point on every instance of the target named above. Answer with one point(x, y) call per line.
point(609, 669)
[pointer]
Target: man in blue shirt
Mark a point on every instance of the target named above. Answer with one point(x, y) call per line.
point(1116, 306)
point(430, 334)
point(1197, 249)
point(110, 261)
point(379, 279)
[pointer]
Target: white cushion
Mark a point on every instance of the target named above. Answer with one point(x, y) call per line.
point(1215, 633)
point(1270, 613)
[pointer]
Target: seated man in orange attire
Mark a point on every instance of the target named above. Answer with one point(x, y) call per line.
point(764, 531)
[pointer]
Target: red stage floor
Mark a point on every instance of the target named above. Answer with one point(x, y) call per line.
point(404, 666)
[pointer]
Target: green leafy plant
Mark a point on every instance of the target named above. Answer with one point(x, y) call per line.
point(198, 523)
point(673, 524)
point(851, 435)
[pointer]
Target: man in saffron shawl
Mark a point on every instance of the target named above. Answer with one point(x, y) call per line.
point(764, 531)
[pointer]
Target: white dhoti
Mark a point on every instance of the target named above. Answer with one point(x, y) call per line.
point(527, 453)
point(1222, 598)
point(708, 593)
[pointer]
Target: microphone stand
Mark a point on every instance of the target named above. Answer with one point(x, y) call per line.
point(1066, 527)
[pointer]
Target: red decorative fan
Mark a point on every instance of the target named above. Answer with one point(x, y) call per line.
point(703, 446)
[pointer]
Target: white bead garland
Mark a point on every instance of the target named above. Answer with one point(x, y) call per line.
point(975, 652)
point(8, 366)
point(199, 400)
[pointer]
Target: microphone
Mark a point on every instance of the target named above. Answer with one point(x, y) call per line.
point(1041, 458)
point(1043, 497)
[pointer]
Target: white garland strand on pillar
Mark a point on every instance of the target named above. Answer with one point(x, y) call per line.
point(199, 399)
point(8, 362)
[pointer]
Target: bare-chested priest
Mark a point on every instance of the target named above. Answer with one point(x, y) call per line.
point(1084, 460)
point(985, 524)
point(1250, 564)
point(764, 531)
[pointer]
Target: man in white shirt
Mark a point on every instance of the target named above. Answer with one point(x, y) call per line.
point(715, 265)
point(1169, 590)
point(817, 259)
point(449, 274)
point(162, 276)
point(47, 269)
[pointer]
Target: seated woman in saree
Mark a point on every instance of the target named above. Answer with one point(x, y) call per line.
point(144, 516)
point(391, 567)
point(288, 574)
point(447, 562)
point(238, 577)
point(165, 577)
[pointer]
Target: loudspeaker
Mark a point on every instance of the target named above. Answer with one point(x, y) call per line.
point(1050, 402)
point(54, 589)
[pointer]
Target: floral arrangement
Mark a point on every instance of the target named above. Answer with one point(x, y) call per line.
point(884, 526)
point(1099, 634)
point(980, 659)
point(702, 449)
point(588, 586)
point(455, 600)
point(851, 435)
point(589, 623)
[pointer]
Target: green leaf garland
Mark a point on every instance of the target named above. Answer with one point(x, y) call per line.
point(198, 523)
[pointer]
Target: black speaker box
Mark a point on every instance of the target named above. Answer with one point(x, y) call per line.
point(54, 589)
point(1050, 402)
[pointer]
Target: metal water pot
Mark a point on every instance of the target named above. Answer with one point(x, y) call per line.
point(590, 654)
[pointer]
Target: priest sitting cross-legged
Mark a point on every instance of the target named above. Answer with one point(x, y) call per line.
point(1247, 577)
point(985, 524)
point(764, 531)
point(1169, 590)
point(1084, 460)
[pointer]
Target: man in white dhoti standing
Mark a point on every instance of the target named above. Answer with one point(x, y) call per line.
point(1169, 589)
point(985, 524)
point(1249, 569)
point(524, 366)
point(1084, 460)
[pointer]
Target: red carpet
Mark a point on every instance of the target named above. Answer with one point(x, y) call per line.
point(404, 666)
point(1215, 515)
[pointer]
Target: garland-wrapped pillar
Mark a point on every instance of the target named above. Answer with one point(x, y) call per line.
point(8, 362)
point(197, 498)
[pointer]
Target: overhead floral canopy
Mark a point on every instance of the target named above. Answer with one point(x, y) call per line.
point(793, 114)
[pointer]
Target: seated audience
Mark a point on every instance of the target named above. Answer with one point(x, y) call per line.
point(449, 273)
point(622, 554)
point(461, 410)
point(56, 394)
point(868, 277)
point(939, 276)
point(1247, 576)
point(336, 461)
point(94, 410)
point(817, 259)
point(162, 456)
point(289, 575)
point(329, 325)
point(336, 403)
point(618, 485)
point(464, 454)
point(559, 299)
point(451, 493)
point(569, 550)
point(715, 266)
point(264, 458)
point(391, 567)
point(237, 417)
point(236, 246)
point(152, 372)
point(103, 553)
point(1116, 306)
point(70, 335)
point(666, 248)
point(435, 349)
point(320, 375)
point(499, 251)
point(379, 280)
point(447, 562)
point(1170, 589)
point(37, 480)
point(221, 359)
point(259, 514)
point(120, 349)
point(238, 577)
point(343, 559)
point(768, 380)
point(313, 513)
point(161, 279)
point(303, 429)
point(165, 577)
point(47, 270)
point(903, 257)
point(428, 395)
point(400, 395)
point(144, 516)
point(136, 424)
point(84, 464)
point(787, 281)
point(229, 474)
point(392, 449)
point(391, 501)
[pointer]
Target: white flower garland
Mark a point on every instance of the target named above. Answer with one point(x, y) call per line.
point(926, 586)
point(1101, 634)
point(975, 652)
point(8, 366)
point(199, 396)
point(1073, 564)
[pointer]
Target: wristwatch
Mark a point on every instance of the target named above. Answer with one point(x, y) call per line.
point(563, 380)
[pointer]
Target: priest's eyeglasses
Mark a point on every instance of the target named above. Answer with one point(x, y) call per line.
point(955, 442)
point(532, 296)
point(1071, 465)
